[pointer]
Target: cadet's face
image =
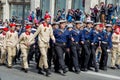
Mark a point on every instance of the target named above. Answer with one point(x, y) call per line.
point(97, 27)
point(117, 30)
point(81, 28)
point(89, 25)
point(28, 30)
point(13, 28)
point(69, 29)
point(109, 29)
point(78, 26)
point(47, 20)
point(62, 25)
point(100, 29)
point(55, 27)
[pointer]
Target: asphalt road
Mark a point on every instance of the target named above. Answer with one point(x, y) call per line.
point(16, 74)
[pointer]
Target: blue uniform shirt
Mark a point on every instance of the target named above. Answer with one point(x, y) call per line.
point(76, 35)
point(95, 37)
point(61, 36)
point(107, 37)
point(87, 34)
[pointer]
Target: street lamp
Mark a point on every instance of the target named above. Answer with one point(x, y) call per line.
point(23, 15)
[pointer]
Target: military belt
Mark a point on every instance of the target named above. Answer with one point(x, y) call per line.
point(104, 42)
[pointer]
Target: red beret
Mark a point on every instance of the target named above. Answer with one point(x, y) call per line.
point(12, 25)
point(101, 25)
point(27, 27)
point(47, 16)
point(5, 29)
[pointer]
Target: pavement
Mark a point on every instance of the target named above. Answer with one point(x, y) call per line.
point(16, 74)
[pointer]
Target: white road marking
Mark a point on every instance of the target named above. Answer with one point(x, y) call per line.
point(103, 75)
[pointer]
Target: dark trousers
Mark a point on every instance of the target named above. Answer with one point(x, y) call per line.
point(68, 60)
point(18, 54)
point(17, 57)
point(37, 55)
point(31, 52)
point(92, 61)
point(87, 52)
point(51, 56)
point(104, 55)
point(60, 50)
point(75, 53)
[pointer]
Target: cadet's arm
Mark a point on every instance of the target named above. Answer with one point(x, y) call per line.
point(35, 34)
point(51, 35)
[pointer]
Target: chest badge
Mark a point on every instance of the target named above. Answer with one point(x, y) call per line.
point(45, 29)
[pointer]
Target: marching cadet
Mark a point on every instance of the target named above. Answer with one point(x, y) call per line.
point(51, 51)
point(25, 46)
point(3, 47)
point(86, 42)
point(19, 30)
point(32, 47)
point(94, 45)
point(75, 38)
point(44, 32)
point(55, 25)
point(11, 44)
point(68, 57)
point(106, 43)
point(115, 62)
point(61, 36)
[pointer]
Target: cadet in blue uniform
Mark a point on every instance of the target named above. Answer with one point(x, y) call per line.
point(68, 59)
point(61, 36)
point(75, 38)
point(94, 45)
point(106, 43)
point(86, 42)
point(51, 51)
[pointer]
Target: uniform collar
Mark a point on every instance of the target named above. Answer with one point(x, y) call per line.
point(117, 33)
point(96, 31)
point(4, 34)
point(76, 30)
point(45, 24)
point(62, 30)
point(27, 33)
point(88, 29)
point(12, 31)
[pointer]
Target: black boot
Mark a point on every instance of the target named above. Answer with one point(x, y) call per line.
point(47, 72)
point(10, 67)
point(96, 70)
point(84, 69)
point(2, 64)
point(14, 61)
point(77, 71)
point(22, 69)
point(40, 71)
point(65, 70)
point(118, 66)
point(26, 70)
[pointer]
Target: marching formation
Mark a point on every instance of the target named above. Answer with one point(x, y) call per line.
point(62, 46)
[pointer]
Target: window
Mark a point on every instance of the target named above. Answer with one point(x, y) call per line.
point(78, 4)
point(59, 5)
point(45, 6)
point(16, 10)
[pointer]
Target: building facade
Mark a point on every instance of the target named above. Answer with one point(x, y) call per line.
point(9, 8)
point(14, 8)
